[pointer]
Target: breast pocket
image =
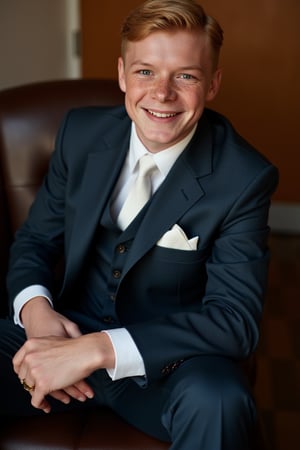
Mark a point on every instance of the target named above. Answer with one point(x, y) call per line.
point(179, 276)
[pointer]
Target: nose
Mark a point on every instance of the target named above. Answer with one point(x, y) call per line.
point(163, 90)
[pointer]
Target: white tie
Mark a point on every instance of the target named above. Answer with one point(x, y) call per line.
point(139, 193)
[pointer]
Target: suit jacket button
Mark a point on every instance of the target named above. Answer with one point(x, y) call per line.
point(108, 319)
point(165, 370)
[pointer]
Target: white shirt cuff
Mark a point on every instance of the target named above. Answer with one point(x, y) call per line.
point(36, 290)
point(129, 362)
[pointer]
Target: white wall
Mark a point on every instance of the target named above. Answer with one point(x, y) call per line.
point(36, 40)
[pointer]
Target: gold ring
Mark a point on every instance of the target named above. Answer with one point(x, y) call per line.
point(26, 386)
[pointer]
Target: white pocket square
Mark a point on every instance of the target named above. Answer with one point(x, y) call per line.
point(177, 239)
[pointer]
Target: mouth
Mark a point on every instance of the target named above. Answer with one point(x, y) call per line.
point(161, 115)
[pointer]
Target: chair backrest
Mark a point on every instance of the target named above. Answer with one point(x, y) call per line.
point(29, 119)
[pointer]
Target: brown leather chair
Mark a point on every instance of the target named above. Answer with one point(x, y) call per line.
point(29, 119)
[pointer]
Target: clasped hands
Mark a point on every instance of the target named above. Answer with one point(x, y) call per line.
point(56, 359)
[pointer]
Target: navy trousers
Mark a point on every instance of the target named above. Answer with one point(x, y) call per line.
point(205, 404)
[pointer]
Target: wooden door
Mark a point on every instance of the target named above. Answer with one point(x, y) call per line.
point(261, 89)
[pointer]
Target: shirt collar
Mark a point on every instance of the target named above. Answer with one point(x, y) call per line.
point(164, 159)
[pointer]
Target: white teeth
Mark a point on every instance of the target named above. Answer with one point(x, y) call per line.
point(161, 115)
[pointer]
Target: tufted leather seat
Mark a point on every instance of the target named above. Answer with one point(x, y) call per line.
point(29, 119)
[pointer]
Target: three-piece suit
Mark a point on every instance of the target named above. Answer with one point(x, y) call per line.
point(187, 311)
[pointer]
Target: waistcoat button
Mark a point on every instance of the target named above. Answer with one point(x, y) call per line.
point(121, 248)
point(116, 273)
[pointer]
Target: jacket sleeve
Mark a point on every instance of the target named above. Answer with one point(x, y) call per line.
point(39, 243)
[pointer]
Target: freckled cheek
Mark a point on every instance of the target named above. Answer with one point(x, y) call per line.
point(137, 94)
point(190, 94)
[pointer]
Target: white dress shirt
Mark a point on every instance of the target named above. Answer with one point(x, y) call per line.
point(129, 361)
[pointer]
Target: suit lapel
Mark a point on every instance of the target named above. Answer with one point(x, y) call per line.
point(179, 192)
point(101, 172)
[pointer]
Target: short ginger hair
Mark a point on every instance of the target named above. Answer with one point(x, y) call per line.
point(171, 15)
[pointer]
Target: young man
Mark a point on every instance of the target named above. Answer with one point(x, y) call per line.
point(157, 306)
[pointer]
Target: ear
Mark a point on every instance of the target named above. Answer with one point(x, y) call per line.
point(121, 73)
point(214, 85)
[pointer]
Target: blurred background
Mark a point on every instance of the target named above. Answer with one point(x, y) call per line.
point(46, 39)
point(260, 94)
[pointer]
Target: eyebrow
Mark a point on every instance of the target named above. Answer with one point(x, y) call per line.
point(143, 63)
point(192, 68)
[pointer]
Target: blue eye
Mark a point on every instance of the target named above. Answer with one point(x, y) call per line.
point(145, 72)
point(186, 76)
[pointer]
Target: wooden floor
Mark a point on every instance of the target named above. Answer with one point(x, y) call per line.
point(278, 377)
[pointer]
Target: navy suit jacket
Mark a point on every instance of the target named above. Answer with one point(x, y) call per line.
point(176, 304)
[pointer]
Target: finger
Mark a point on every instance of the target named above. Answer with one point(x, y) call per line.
point(85, 388)
point(62, 396)
point(80, 392)
point(17, 360)
point(66, 394)
point(25, 379)
point(20, 355)
point(73, 392)
point(44, 406)
point(39, 401)
point(24, 376)
point(27, 385)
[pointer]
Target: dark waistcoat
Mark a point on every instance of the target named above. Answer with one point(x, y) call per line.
point(94, 308)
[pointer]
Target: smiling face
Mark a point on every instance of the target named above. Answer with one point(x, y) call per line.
point(167, 79)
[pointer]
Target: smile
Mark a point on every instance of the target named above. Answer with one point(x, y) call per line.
point(161, 115)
